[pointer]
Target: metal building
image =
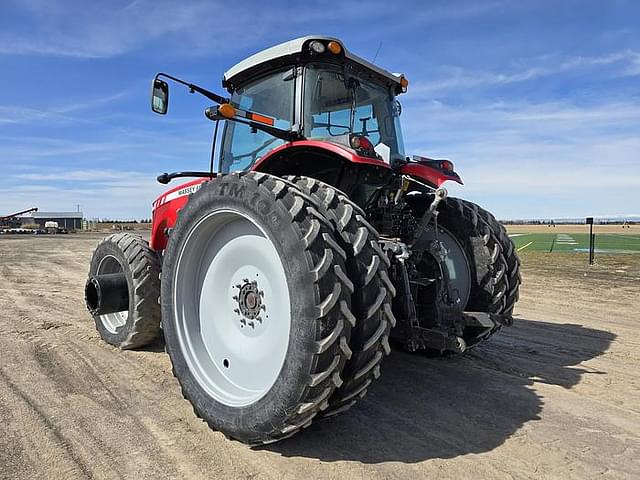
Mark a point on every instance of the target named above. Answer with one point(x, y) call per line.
point(66, 220)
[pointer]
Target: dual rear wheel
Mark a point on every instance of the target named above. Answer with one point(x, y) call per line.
point(275, 300)
point(257, 303)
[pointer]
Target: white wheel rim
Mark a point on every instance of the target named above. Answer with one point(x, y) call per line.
point(234, 348)
point(112, 321)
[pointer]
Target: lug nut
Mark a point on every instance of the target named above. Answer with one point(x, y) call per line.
point(235, 310)
point(235, 297)
point(252, 325)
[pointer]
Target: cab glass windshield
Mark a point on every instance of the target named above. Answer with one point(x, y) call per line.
point(337, 104)
point(271, 96)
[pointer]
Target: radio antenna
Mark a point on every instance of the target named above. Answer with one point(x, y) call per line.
point(377, 52)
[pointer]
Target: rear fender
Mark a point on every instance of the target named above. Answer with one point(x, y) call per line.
point(271, 160)
point(430, 175)
point(334, 164)
point(165, 211)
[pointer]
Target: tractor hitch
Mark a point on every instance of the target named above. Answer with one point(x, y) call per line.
point(450, 325)
point(431, 214)
point(442, 339)
point(107, 293)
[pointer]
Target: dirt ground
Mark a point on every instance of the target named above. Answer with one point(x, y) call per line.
point(555, 396)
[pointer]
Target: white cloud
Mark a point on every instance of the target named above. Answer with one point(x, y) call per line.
point(18, 149)
point(456, 78)
point(561, 122)
point(101, 193)
point(80, 175)
point(107, 29)
point(13, 114)
point(533, 160)
point(104, 29)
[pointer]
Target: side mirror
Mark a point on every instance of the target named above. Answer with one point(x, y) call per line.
point(159, 96)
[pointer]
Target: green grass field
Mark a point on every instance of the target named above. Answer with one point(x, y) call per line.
point(576, 242)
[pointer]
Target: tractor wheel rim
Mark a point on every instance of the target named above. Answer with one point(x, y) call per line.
point(112, 321)
point(456, 262)
point(232, 308)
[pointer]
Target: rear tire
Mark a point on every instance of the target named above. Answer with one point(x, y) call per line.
point(140, 325)
point(495, 278)
point(373, 291)
point(514, 278)
point(231, 378)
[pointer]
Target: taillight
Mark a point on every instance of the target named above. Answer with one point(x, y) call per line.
point(360, 143)
point(446, 165)
point(366, 144)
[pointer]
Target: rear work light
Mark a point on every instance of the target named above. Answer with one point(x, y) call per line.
point(317, 47)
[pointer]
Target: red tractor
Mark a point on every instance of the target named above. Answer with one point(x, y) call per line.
point(279, 280)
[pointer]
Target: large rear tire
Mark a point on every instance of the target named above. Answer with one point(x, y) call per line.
point(140, 324)
point(514, 278)
point(476, 239)
point(373, 291)
point(256, 307)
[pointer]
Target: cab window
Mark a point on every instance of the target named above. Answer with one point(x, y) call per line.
point(272, 96)
point(339, 102)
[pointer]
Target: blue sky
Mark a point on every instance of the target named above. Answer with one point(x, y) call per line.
point(536, 102)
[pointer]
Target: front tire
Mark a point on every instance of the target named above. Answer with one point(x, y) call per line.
point(130, 254)
point(256, 307)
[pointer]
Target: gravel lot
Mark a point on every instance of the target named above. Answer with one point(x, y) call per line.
point(555, 396)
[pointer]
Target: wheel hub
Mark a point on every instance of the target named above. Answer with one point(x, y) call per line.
point(234, 345)
point(455, 261)
point(250, 304)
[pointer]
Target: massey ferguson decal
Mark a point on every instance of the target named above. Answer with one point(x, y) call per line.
point(178, 193)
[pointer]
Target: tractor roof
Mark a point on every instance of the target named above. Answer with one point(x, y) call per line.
point(289, 53)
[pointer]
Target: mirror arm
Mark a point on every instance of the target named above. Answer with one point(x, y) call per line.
point(167, 177)
point(212, 114)
point(195, 88)
point(286, 135)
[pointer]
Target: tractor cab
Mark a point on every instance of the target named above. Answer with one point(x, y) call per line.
point(314, 87)
point(311, 107)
